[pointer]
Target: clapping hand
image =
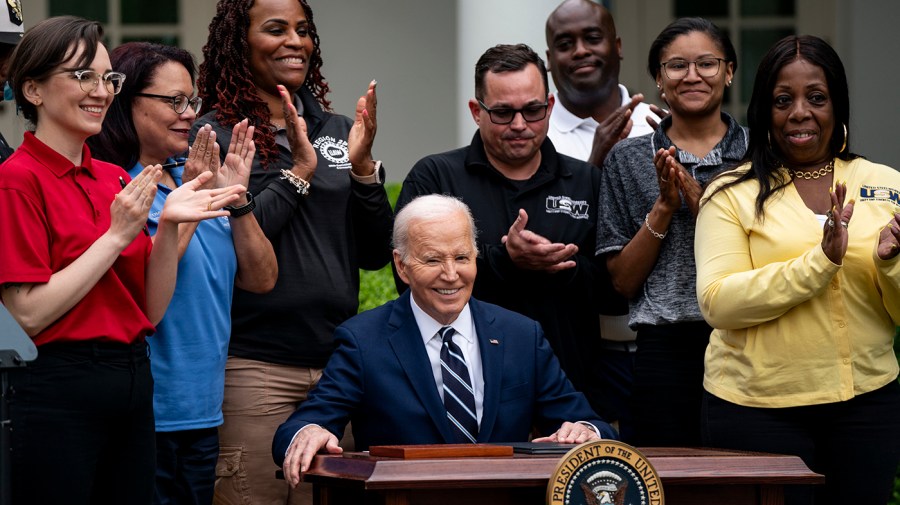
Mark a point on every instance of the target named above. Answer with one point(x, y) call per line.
point(667, 177)
point(614, 128)
point(690, 188)
point(189, 202)
point(362, 133)
point(676, 181)
point(303, 154)
point(659, 111)
point(203, 156)
point(889, 239)
point(531, 251)
point(129, 209)
point(239, 159)
point(835, 233)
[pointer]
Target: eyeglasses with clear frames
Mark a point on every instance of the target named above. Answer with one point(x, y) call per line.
point(678, 69)
point(88, 80)
point(505, 115)
point(180, 102)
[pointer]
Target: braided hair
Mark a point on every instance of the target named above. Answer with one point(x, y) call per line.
point(225, 81)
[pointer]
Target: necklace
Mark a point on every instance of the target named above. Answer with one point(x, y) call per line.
point(822, 172)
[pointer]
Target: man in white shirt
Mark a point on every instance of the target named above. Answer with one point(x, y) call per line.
point(436, 365)
point(593, 112)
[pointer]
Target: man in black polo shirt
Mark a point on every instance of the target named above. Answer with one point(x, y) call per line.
point(535, 210)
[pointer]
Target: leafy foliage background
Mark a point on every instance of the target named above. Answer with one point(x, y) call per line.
point(377, 287)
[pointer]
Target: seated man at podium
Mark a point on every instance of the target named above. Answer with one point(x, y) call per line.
point(436, 365)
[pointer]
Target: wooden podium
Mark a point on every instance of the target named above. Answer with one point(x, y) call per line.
point(689, 476)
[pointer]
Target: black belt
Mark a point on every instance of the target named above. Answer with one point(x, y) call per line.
point(94, 349)
point(617, 345)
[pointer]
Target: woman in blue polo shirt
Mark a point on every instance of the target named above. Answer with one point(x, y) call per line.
point(149, 124)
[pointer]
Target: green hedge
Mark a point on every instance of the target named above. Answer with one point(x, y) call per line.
point(376, 288)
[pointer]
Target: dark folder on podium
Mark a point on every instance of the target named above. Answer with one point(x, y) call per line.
point(469, 450)
point(540, 448)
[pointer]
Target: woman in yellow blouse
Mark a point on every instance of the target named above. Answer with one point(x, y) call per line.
point(797, 271)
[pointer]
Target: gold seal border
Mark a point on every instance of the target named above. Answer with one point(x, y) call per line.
point(581, 455)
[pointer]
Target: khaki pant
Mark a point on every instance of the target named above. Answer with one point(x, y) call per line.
point(258, 398)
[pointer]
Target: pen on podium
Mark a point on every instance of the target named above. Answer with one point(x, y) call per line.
point(123, 184)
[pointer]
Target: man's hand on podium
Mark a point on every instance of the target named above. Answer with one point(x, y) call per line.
point(306, 443)
point(571, 433)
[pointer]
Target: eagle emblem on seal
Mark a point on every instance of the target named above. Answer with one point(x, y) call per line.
point(604, 487)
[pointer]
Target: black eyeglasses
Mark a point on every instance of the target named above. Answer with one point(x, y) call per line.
point(678, 69)
point(505, 115)
point(180, 102)
point(88, 80)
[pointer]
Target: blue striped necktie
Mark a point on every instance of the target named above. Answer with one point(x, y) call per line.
point(459, 397)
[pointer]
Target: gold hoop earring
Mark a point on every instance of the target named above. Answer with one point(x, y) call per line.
point(844, 147)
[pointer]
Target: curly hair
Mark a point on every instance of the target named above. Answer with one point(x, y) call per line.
point(118, 141)
point(225, 81)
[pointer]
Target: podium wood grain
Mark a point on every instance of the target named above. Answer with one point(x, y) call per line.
point(689, 475)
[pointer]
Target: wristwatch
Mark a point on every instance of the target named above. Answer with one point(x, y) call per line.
point(375, 177)
point(243, 209)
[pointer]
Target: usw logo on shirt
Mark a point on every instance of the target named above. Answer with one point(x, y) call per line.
point(564, 205)
point(879, 193)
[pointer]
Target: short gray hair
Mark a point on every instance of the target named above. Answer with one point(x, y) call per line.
point(428, 208)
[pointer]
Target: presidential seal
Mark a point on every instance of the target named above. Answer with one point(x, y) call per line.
point(604, 471)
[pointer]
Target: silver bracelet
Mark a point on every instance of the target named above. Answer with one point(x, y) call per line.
point(295, 180)
point(652, 231)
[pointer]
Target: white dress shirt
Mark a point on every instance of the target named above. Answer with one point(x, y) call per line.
point(467, 341)
point(574, 136)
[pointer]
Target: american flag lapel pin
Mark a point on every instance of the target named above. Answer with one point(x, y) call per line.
point(494, 341)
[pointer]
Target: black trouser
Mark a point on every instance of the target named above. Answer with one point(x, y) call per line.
point(854, 443)
point(83, 430)
point(668, 384)
point(186, 466)
point(615, 379)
